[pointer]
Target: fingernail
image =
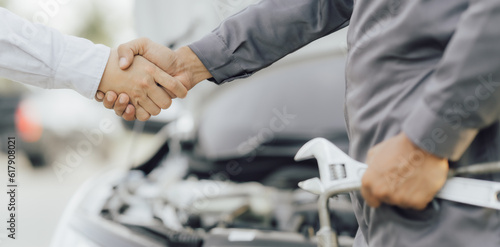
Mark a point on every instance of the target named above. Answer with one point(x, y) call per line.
point(110, 97)
point(99, 96)
point(123, 62)
point(122, 100)
point(128, 110)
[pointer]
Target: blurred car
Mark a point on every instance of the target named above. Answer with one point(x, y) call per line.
point(8, 106)
point(48, 124)
point(225, 175)
point(14, 122)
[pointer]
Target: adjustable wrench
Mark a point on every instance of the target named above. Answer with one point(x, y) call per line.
point(339, 173)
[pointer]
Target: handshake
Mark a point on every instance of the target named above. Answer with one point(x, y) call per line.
point(142, 77)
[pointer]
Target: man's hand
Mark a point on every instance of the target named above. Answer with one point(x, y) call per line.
point(122, 107)
point(401, 174)
point(183, 65)
point(139, 82)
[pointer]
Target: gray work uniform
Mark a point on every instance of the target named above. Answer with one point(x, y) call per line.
point(428, 68)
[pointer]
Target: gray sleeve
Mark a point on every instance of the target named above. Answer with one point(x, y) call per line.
point(263, 33)
point(463, 95)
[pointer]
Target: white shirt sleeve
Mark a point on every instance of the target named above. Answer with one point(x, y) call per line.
point(41, 56)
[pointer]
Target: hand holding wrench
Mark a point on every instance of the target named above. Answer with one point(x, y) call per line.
point(339, 173)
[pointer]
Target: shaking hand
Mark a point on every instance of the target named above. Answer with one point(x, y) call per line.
point(182, 66)
point(148, 88)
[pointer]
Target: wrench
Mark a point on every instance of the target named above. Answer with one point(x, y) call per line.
point(339, 173)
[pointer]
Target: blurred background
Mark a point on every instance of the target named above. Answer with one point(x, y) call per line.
point(63, 139)
point(53, 128)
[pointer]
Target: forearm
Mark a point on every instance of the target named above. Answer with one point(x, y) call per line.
point(462, 96)
point(264, 33)
point(41, 56)
point(189, 64)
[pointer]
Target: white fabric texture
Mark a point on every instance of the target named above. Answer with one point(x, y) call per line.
point(41, 56)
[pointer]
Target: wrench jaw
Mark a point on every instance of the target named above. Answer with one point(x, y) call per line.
point(336, 168)
point(322, 150)
point(312, 185)
point(339, 173)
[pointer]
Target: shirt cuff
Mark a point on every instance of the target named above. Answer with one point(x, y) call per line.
point(218, 59)
point(82, 66)
point(435, 134)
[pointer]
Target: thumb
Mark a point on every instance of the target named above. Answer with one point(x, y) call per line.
point(127, 51)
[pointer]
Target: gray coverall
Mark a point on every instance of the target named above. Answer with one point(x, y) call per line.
point(428, 68)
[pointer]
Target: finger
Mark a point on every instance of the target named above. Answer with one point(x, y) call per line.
point(127, 51)
point(99, 96)
point(371, 200)
point(417, 201)
point(160, 97)
point(170, 83)
point(109, 99)
point(149, 106)
point(121, 104)
point(142, 114)
point(170, 94)
point(129, 113)
point(366, 191)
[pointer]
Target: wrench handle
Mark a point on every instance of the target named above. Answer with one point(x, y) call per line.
point(472, 191)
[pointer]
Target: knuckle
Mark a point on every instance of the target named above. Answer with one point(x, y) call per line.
point(381, 193)
point(144, 39)
point(143, 83)
point(134, 95)
point(366, 181)
point(122, 47)
point(150, 69)
point(136, 101)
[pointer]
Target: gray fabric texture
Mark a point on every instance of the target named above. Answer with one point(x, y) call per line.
point(428, 68)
